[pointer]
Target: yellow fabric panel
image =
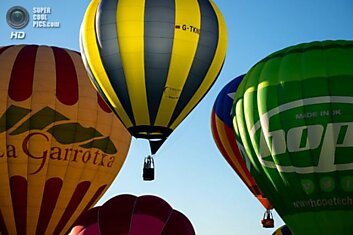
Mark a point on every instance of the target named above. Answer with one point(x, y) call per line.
point(65, 196)
point(7, 59)
point(118, 134)
point(93, 189)
point(213, 70)
point(92, 55)
point(44, 88)
point(184, 48)
point(75, 171)
point(130, 28)
point(60, 169)
point(87, 108)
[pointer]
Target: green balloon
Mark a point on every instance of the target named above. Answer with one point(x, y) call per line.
point(293, 112)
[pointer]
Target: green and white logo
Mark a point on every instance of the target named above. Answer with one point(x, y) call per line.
point(325, 137)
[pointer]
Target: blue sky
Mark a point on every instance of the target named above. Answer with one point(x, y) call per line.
point(190, 172)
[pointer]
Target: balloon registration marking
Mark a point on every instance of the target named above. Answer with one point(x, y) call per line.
point(189, 28)
point(328, 136)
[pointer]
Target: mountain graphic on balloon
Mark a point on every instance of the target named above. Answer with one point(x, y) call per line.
point(38, 123)
point(88, 138)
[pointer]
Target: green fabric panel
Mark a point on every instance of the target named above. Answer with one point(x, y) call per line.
point(69, 133)
point(12, 116)
point(39, 120)
point(104, 144)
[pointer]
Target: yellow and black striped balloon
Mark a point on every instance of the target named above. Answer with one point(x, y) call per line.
point(153, 60)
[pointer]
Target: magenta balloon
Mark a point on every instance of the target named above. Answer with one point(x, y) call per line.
point(128, 214)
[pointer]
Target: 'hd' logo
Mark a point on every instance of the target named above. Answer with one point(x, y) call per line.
point(17, 17)
point(17, 35)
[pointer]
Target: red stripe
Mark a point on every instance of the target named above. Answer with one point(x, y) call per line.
point(51, 193)
point(90, 204)
point(86, 219)
point(218, 141)
point(102, 104)
point(95, 197)
point(265, 202)
point(241, 162)
point(21, 81)
point(18, 185)
point(76, 199)
point(221, 146)
point(235, 154)
point(2, 49)
point(66, 77)
point(3, 229)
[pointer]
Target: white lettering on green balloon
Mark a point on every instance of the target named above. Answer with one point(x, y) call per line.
point(330, 136)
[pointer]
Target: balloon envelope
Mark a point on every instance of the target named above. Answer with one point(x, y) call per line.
point(293, 113)
point(224, 137)
point(283, 230)
point(128, 214)
point(153, 61)
point(60, 145)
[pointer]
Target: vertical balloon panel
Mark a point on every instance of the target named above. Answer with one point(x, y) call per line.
point(61, 146)
point(153, 61)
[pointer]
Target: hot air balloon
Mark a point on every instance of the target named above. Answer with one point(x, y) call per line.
point(283, 230)
point(224, 137)
point(128, 214)
point(153, 61)
point(293, 113)
point(60, 145)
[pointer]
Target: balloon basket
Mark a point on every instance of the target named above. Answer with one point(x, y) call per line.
point(267, 221)
point(148, 169)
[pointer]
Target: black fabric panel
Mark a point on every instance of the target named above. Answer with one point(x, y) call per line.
point(205, 52)
point(107, 37)
point(158, 39)
point(93, 79)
